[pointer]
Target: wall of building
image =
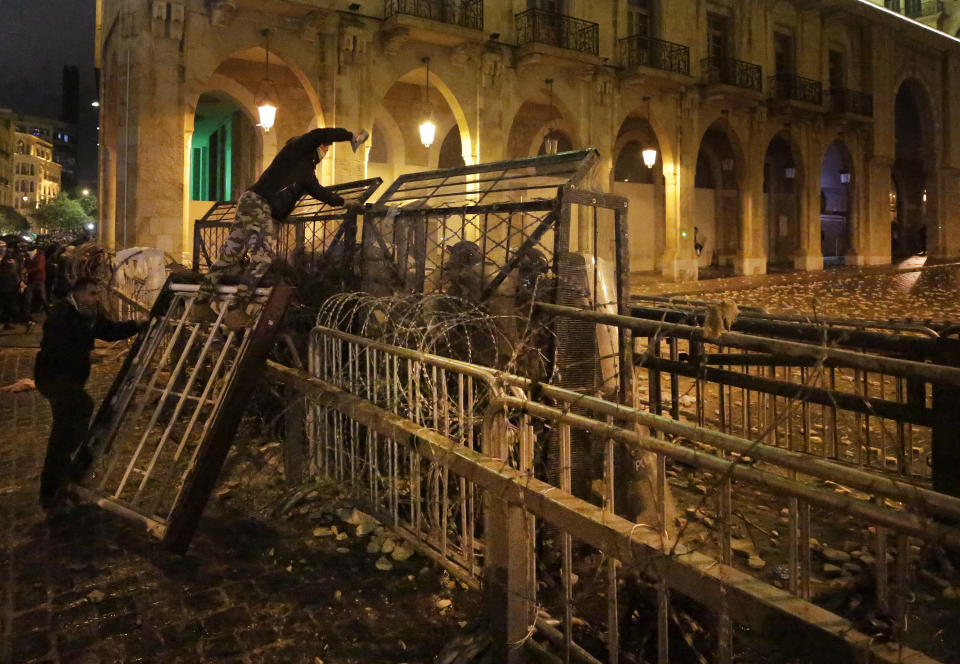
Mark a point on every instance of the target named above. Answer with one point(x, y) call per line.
point(7, 148)
point(37, 178)
point(333, 67)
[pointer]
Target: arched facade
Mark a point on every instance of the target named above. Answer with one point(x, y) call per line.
point(716, 198)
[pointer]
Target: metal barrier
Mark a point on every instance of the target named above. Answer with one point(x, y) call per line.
point(446, 452)
point(302, 238)
point(847, 391)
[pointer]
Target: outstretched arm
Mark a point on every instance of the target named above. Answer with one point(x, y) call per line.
point(326, 136)
point(315, 189)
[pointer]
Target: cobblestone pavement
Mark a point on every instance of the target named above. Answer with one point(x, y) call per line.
point(907, 290)
point(92, 588)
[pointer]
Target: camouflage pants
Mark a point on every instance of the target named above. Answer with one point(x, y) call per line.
point(251, 236)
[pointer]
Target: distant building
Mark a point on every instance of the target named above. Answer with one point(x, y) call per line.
point(37, 177)
point(7, 128)
point(61, 135)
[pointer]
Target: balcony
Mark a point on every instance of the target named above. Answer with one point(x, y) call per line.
point(914, 9)
point(452, 23)
point(465, 13)
point(793, 88)
point(921, 8)
point(725, 75)
point(640, 51)
point(851, 102)
point(536, 26)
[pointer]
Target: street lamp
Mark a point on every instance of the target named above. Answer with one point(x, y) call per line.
point(649, 157)
point(428, 130)
point(85, 192)
point(551, 141)
point(95, 104)
point(266, 99)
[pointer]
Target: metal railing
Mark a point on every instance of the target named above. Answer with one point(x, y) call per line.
point(796, 88)
point(445, 453)
point(465, 13)
point(644, 51)
point(545, 27)
point(920, 8)
point(844, 100)
point(728, 71)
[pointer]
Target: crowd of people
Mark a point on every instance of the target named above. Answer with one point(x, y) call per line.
point(32, 275)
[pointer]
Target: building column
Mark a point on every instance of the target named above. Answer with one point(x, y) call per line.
point(187, 231)
point(872, 232)
point(950, 224)
point(810, 252)
point(679, 257)
point(752, 257)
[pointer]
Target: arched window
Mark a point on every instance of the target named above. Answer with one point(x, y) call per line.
point(629, 166)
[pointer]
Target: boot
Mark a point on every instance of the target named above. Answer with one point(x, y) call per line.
point(201, 314)
point(236, 320)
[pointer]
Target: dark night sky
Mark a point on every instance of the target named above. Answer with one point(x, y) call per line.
point(37, 38)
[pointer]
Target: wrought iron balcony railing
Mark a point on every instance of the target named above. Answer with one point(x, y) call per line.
point(843, 100)
point(543, 27)
point(796, 88)
point(727, 71)
point(656, 53)
point(918, 8)
point(465, 13)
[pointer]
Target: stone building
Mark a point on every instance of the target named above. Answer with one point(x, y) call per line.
point(61, 134)
point(36, 174)
point(787, 134)
point(7, 147)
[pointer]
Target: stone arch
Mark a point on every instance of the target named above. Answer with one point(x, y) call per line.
point(783, 182)
point(644, 188)
point(837, 195)
point(402, 101)
point(718, 199)
point(531, 120)
point(916, 166)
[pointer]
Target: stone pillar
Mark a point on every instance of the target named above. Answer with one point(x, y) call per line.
point(187, 233)
point(872, 235)
point(679, 257)
point(810, 252)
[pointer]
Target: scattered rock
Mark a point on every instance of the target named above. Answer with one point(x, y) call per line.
point(444, 604)
point(756, 562)
point(367, 525)
point(95, 596)
point(742, 546)
point(383, 564)
point(388, 545)
point(342, 549)
point(831, 571)
point(374, 545)
point(851, 568)
point(834, 556)
point(337, 595)
point(342, 536)
point(322, 531)
point(401, 552)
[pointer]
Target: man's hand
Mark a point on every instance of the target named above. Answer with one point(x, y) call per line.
point(336, 200)
point(353, 206)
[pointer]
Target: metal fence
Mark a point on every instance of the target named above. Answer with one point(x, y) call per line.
point(728, 71)
point(302, 238)
point(449, 453)
point(657, 53)
point(880, 396)
point(465, 13)
point(843, 100)
point(540, 26)
point(796, 88)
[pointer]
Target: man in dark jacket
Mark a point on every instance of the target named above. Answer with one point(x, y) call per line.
point(35, 276)
point(61, 371)
point(273, 197)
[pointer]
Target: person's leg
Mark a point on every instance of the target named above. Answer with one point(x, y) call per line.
point(256, 215)
point(231, 253)
point(72, 408)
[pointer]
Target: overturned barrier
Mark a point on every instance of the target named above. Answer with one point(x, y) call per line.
point(158, 441)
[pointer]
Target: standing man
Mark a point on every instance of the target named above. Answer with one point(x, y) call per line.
point(35, 276)
point(272, 198)
point(61, 371)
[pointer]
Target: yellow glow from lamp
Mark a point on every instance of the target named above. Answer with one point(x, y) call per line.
point(268, 114)
point(428, 132)
point(649, 157)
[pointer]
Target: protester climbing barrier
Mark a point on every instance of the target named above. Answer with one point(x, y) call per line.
point(162, 432)
point(302, 238)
